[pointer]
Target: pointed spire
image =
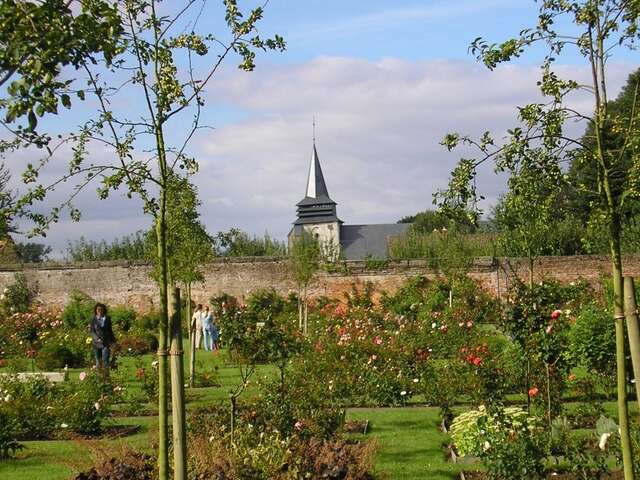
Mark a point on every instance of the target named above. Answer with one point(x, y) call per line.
point(315, 183)
point(316, 206)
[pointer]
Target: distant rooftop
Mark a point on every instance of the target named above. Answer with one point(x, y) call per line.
point(362, 241)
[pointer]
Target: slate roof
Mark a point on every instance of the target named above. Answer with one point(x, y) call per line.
point(358, 242)
point(316, 206)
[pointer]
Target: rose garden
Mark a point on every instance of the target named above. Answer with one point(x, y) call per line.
point(435, 378)
point(414, 384)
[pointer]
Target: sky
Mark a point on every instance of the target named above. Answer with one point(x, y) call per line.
point(384, 80)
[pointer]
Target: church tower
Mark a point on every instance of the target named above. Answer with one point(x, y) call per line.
point(316, 212)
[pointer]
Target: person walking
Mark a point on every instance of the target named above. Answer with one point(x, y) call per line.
point(215, 335)
point(207, 328)
point(196, 325)
point(102, 337)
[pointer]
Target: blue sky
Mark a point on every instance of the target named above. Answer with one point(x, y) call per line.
point(384, 79)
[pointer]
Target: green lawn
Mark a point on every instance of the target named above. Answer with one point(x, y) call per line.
point(410, 442)
point(410, 445)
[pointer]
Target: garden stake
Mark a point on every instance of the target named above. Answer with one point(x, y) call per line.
point(192, 340)
point(177, 391)
point(633, 331)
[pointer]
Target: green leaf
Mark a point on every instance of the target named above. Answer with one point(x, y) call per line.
point(66, 101)
point(33, 120)
point(80, 94)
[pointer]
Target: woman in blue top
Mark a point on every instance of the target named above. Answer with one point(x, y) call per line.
point(207, 328)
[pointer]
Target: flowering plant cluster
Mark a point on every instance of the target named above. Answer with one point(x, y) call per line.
point(508, 440)
point(38, 409)
point(383, 354)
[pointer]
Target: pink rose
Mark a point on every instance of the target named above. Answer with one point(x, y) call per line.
point(82, 376)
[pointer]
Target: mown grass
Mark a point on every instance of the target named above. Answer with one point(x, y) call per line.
point(410, 444)
point(409, 441)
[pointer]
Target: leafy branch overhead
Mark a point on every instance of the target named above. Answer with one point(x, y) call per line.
point(602, 27)
point(169, 64)
point(38, 40)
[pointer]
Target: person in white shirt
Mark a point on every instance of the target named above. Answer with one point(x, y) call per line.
point(196, 325)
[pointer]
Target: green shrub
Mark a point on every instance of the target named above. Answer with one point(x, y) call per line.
point(18, 296)
point(508, 442)
point(147, 322)
point(136, 344)
point(54, 356)
point(258, 454)
point(38, 409)
point(122, 318)
point(77, 313)
point(86, 405)
point(265, 302)
point(592, 340)
point(8, 433)
point(30, 407)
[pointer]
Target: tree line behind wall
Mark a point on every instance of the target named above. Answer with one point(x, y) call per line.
point(137, 246)
point(561, 216)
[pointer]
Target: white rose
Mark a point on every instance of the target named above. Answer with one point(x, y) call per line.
point(603, 440)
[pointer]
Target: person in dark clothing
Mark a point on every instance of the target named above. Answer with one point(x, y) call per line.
point(102, 336)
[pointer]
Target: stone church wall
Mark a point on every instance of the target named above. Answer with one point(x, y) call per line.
point(129, 283)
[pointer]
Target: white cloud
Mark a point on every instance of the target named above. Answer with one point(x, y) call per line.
point(378, 130)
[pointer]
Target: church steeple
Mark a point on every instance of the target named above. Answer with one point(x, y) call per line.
point(316, 206)
point(315, 181)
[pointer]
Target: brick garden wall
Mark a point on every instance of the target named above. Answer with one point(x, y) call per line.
point(128, 283)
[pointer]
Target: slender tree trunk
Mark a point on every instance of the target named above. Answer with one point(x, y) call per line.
point(177, 391)
point(306, 312)
point(163, 426)
point(597, 55)
point(548, 394)
point(233, 417)
point(633, 331)
point(188, 313)
point(192, 342)
point(618, 315)
point(300, 309)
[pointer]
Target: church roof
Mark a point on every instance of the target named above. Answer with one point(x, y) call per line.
point(316, 188)
point(358, 242)
point(316, 206)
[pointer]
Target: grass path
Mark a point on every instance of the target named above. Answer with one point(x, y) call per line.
point(409, 441)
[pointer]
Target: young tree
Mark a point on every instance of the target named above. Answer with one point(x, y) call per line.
point(165, 64)
point(527, 214)
point(304, 258)
point(599, 27)
point(189, 247)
